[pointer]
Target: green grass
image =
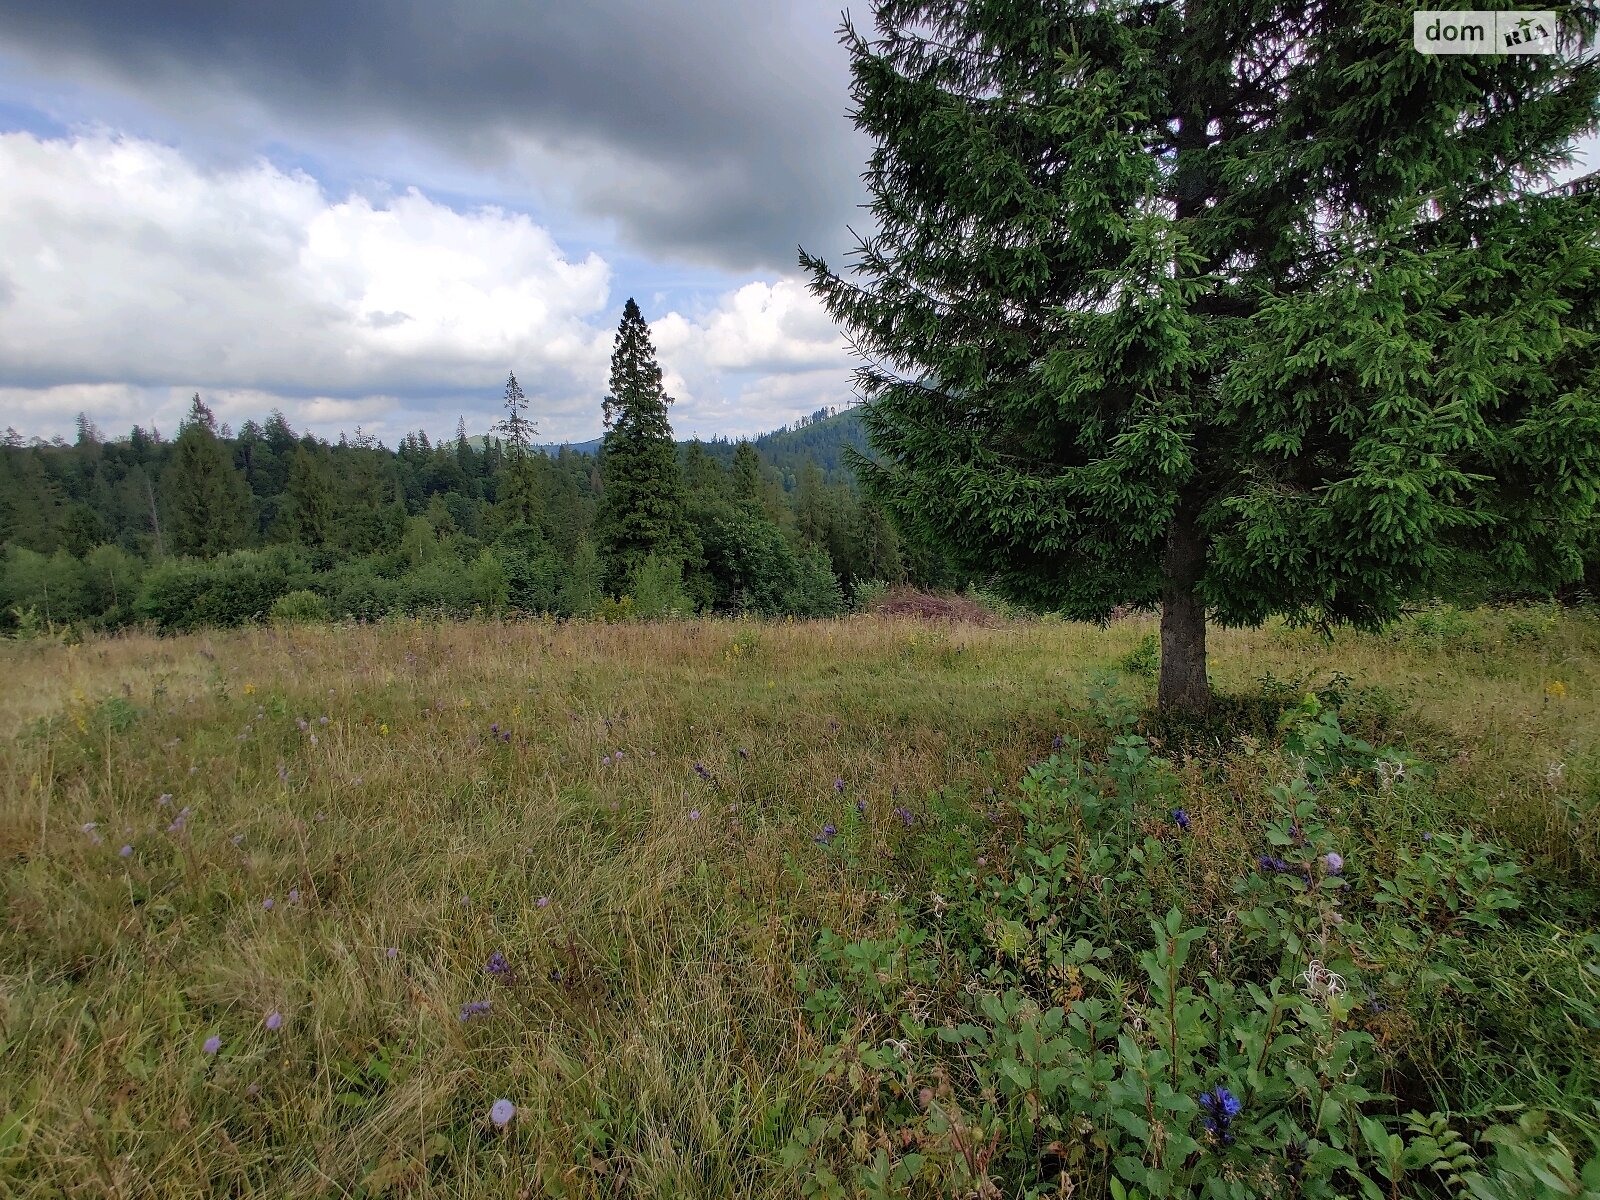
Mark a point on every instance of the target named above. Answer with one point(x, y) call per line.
point(653, 1038)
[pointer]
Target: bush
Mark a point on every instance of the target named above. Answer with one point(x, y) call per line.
point(1144, 660)
point(868, 594)
point(815, 591)
point(301, 607)
point(170, 593)
point(656, 587)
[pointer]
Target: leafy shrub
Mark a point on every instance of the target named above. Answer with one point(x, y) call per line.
point(1144, 660)
point(656, 586)
point(868, 594)
point(815, 591)
point(615, 609)
point(300, 607)
point(170, 593)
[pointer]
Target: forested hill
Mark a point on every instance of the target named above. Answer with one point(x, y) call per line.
point(820, 438)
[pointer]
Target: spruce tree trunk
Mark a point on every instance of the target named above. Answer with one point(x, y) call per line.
point(1183, 686)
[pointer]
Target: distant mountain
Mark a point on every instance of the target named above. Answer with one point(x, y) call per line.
point(592, 446)
point(820, 438)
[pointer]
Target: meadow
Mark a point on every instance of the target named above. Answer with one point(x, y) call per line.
point(869, 906)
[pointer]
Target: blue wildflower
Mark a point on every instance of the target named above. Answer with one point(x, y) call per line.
point(1220, 1107)
point(474, 1008)
point(825, 838)
point(498, 967)
point(1180, 818)
point(1270, 862)
point(904, 814)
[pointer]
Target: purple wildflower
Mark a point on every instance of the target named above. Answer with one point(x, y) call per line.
point(498, 967)
point(501, 1112)
point(302, 724)
point(212, 1044)
point(267, 904)
point(126, 851)
point(1334, 861)
point(1180, 818)
point(838, 785)
point(89, 827)
point(322, 720)
point(294, 895)
point(474, 1008)
point(825, 838)
point(543, 902)
point(166, 797)
point(1270, 862)
point(861, 805)
point(700, 770)
point(694, 814)
point(274, 1021)
point(1055, 743)
point(904, 814)
point(392, 953)
point(495, 728)
point(1221, 1107)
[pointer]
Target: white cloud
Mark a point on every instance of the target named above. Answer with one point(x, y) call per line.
point(130, 278)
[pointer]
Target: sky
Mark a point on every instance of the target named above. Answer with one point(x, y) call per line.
point(367, 212)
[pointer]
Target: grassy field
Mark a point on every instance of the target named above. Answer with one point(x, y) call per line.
point(311, 843)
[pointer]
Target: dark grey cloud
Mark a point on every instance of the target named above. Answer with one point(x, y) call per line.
point(712, 131)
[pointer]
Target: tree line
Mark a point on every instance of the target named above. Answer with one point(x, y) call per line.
point(214, 527)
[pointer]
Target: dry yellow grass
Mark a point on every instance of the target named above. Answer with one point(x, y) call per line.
point(651, 1039)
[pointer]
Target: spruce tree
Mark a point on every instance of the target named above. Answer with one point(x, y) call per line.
point(642, 508)
point(746, 474)
point(208, 503)
point(308, 512)
point(1236, 309)
point(519, 501)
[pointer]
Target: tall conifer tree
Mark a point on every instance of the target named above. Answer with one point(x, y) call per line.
point(208, 501)
point(520, 501)
point(1232, 309)
point(642, 509)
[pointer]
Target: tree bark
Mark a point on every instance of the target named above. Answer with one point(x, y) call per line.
point(1183, 685)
